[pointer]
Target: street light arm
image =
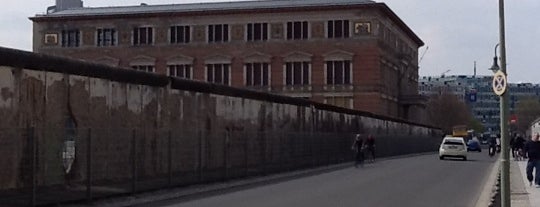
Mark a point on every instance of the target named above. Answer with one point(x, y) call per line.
point(495, 67)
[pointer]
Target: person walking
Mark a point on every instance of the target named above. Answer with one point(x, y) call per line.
point(519, 143)
point(513, 146)
point(357, 147)
point(532, 150)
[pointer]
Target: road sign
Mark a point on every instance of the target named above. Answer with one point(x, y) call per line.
point(471, 96)
point(499, 83)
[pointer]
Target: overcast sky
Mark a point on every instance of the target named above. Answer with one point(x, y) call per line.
point(457, 32)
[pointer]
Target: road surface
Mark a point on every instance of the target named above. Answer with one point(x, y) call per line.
point(412, 181)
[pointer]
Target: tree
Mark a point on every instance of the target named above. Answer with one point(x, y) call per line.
point(476, 125)
point(447, 110)
point(527, 110)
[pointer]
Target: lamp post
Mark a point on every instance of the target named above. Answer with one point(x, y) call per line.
point(495, 67)
point(505, 155)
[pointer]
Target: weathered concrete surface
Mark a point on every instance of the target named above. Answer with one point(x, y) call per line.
point(210, 128)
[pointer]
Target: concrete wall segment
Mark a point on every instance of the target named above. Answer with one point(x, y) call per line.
point(196, 112)
point(49, 63)
point(6, 87)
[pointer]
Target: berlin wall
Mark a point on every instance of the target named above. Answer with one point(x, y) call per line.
point(65, 121)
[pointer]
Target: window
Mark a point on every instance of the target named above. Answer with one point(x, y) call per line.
point(338, 72)
point(218, 73)
point(218, 33)
point(257, 32)
point(345, 102)
point(106, 37)
point(297, 30)
point(338, 29)
point(143, 36)
point(257, 74)
point(181, 71)
point(145, 68)
point(297, 73)
point(71, 38)
point(180, 34)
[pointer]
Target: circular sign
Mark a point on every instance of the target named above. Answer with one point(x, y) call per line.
point(499, 83)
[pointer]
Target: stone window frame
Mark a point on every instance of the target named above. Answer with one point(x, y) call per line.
point(182, 62)
point(114, 37)
point(223, 39)
point(308, 30)
point(347, 29)
point(338, 56)
point(223, 60)
point(333, 97)
point(189, 33)
point(148, 40)
point(298, 57)
point(258, 58)
point(107, 60)
point(143, 63)
point(69, 43)
point(263, 36)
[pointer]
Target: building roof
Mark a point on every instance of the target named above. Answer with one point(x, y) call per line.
point(206, 6)
point(144, 10)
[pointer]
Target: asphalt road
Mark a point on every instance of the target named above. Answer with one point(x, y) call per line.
point(413, 181)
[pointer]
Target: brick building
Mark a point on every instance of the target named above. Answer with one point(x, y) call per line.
point(350, 53)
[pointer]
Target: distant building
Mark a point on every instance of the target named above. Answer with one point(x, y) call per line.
point(477, 93)
point(351, 53)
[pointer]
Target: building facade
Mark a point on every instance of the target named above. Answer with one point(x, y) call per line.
point(477, 93)
point(350, 53)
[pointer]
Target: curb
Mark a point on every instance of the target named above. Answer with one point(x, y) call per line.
point(489, 192)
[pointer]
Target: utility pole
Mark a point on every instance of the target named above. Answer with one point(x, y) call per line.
point(474, 74)
point(505, 170)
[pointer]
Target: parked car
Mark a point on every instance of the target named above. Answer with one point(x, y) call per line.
point(453, 147)
point(473, 145)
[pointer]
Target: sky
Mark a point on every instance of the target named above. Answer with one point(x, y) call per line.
point(456, 33)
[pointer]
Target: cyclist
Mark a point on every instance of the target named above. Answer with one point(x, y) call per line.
point(492, 145)
point(370, 147)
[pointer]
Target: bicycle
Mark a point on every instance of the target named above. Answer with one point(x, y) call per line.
point(370, 157)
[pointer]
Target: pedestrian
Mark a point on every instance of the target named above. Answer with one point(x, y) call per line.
point(513, 146)
point(518, 144)
point(532, 150)
point(370, 147)
point(498, 143)
point(357, 147)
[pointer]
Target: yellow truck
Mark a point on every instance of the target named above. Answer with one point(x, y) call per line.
point(460, 131)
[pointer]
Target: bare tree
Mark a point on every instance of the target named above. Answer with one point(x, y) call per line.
point(527, 110)
point(447, 110)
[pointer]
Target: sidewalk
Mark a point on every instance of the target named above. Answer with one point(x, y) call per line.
point(522, 195)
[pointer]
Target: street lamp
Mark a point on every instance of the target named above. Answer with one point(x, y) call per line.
point(505, 165)
point(495, 67)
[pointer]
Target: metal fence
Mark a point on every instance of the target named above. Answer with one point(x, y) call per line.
point(51, 166)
